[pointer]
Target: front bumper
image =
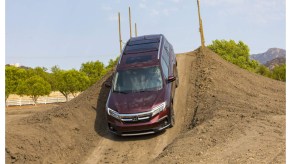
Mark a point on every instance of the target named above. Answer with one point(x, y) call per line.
point(155, 124)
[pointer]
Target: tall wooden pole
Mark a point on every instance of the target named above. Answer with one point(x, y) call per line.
point(135, 30)
point(200, 25)
point(119, 28)
point(129, 15)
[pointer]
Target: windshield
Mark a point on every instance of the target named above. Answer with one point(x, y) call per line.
point(137, 80)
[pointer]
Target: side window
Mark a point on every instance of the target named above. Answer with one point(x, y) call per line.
point(172, 55)
point(165, 56)
point(166, 46)
point(165, 68)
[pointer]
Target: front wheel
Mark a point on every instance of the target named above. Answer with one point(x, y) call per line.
point(177, 78)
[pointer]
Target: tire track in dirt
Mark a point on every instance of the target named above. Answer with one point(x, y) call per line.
point(114, 149)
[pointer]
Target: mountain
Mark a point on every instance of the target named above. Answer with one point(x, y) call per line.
point(275, 62)
point(269, 55)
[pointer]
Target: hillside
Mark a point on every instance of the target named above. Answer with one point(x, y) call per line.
point(269, 55)
point(240, 116)
point(275, 62)
point(224, 114)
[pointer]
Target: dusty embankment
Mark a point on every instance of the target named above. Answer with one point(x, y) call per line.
point(240, 117)
point(223, 115)
point(60, 135)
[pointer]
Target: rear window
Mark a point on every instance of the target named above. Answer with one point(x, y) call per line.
point(138, 59)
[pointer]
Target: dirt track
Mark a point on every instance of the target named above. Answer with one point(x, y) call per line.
point(142, 148)
point(223, 115)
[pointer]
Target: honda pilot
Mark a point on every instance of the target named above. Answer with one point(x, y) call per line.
point(143, 87)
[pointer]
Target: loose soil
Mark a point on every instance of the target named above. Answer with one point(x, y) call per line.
point(224, 114)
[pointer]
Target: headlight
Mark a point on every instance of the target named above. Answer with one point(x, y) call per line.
point(113, 113)
point(157, 109)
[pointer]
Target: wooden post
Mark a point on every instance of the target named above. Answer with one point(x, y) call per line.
point(135, 30)
point(200, 25)
point(119, 28)
point(129, 15)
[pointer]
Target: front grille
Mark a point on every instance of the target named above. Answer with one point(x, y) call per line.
point(134, 118)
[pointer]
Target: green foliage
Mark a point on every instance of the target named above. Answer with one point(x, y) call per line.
point(34, 87)
point(36, 82)
point(13, 77)
point(263, 70)
point(236, 53)
point(279, 72)
point(112, 63)
point(76, 81)
point(94, 70)
point(42, 72)
point(55, 69)
point(54, 76)
point(71, 81)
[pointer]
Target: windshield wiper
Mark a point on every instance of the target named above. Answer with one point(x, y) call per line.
point(123, 92)
point(146, 90)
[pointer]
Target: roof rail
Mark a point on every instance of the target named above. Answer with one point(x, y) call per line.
point(160, 46)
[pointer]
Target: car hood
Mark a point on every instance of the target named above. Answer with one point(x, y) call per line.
point(134, 102)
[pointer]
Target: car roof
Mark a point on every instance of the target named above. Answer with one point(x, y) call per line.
point(142, 51)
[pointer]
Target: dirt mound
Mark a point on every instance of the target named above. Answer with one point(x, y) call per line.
point(224, 114)
point(61, 135)
point(240, 116)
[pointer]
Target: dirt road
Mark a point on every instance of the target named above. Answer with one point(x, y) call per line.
point(113, 149)
point(223, 115)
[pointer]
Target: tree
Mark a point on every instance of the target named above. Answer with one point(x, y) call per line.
point(71, 82)
point(263, 70)
point(236, 53)
point(54, 77)
point(34, 87)
point(94, 70)
point(279, 72)
point(112, 63)
point(42, 72)
point(13, 76)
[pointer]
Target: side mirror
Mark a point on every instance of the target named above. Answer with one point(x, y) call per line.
point(171, 79)
point(107, 84)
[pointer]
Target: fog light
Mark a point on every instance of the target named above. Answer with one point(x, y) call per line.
point(166, 122)
point(110, 127)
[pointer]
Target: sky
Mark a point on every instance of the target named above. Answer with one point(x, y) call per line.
point(68, 33)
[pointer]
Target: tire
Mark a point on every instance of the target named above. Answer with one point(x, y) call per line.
point(172, 116)
point(177, 78)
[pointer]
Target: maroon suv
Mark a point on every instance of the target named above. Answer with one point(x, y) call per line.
point(143, 87)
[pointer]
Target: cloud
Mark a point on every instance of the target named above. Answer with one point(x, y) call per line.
point(106, 8)
point(169, 11)
point(113, 17)
point(268, 10)
point(154, 12)
point(142, 5)
point(176, 1)
point(222, 2)
point(158, 7)
point(259, 11)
